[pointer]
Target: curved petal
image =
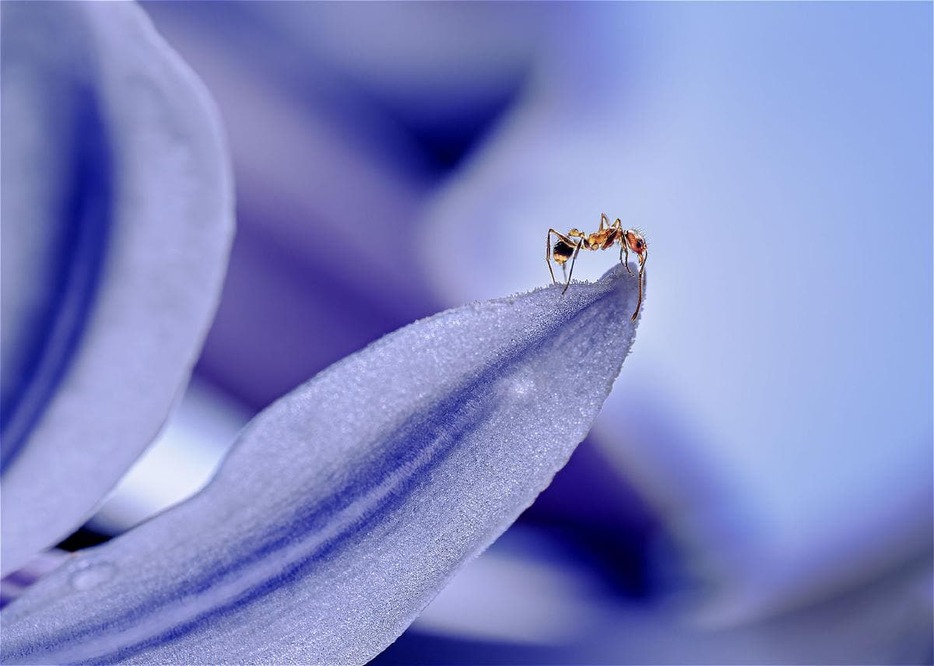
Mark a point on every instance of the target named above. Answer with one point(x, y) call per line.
point(347, 504)
point(137, 173)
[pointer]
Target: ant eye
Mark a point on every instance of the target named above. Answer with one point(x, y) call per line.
point(639, 244)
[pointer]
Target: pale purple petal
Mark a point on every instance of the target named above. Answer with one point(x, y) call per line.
point(108, 134)
point(348, 504)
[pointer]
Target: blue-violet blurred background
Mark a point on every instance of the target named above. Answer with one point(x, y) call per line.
point(758, 488)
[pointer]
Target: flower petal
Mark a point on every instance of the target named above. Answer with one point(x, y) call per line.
point(347, 504)
point(161, 213)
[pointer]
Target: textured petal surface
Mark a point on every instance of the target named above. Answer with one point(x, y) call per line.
point(347, 504)
point(112, 156)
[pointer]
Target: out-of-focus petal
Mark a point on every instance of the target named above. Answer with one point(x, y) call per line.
point(123, 150)
point(885, 622)
point(778, 158)
point(323, 181)
point(14, 585)
point(178, 463)
point(348, 504)
point(430, 64)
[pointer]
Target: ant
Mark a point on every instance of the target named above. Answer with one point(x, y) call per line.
point(602, 239)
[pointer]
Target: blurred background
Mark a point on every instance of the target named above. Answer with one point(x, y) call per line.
point(758, 488)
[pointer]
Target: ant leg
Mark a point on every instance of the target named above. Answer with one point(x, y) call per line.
point(639, 302)
point(548, 256)
point(624, 248)
point(604, 222)
point(577, 249)
point(642, 258)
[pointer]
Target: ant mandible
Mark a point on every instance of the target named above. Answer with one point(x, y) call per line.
point(566, 247)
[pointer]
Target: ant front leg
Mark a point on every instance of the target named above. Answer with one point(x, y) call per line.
point(624, 248)
point(639, 302)
point(642, 258)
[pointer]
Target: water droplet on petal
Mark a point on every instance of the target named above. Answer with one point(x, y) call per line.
point(92, 574)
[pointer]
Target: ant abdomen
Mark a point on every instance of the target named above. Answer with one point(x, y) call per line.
point(562, 251)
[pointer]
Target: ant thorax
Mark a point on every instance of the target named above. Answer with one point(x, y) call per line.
point(601, 240)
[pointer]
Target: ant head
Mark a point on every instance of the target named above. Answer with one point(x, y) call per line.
point(636, 243)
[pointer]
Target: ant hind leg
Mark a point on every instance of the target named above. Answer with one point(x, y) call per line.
point(577, 249)
point(548, 256)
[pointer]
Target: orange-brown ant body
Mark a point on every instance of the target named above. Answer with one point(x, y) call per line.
point(567, 247)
